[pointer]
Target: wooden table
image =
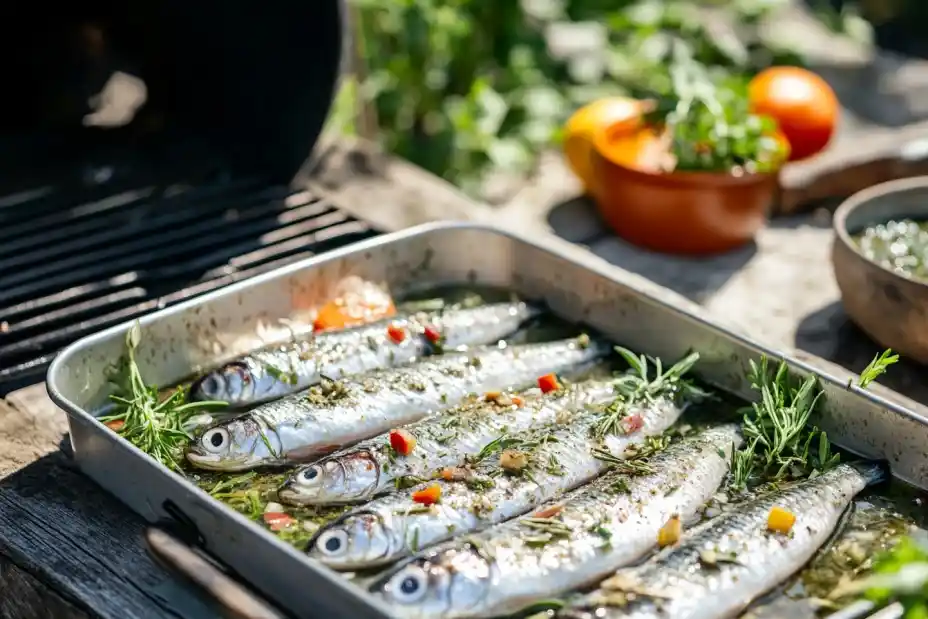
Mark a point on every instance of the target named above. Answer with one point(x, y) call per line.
point(67, 549)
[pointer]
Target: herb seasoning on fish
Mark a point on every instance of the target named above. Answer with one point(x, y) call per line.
point(372, 467)
point(272, 373)
point(336, 414)
point(582, 537)
point(688, 582)
point(551, 460)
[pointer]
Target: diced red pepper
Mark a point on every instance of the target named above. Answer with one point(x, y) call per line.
point(548, 383)
point(632, 423)
point(396, 333)
point(428, 495)
point(278, 521)
point(432, 334)
point(115, 425)
point(402, 441)
point(517, 401)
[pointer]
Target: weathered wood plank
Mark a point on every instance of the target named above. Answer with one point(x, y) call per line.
point(58, 525)
point(25, 596)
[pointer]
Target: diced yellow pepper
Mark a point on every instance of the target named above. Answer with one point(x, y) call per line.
point(780, 521)
point(671, 532)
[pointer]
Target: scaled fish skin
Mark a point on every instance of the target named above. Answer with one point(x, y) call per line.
point(337, 414)
point(291, 367)
point(590, 532)
point(370, 468)
point(393, 526)
point(729, 561)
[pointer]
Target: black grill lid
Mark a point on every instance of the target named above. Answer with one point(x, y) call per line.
point(253, 79)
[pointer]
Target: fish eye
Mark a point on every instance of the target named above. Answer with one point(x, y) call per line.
point(332, 543)
point(409, 585)
point(215, 440)
point(310, 474)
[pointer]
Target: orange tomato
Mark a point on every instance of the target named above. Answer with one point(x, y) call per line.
point(615, 114)
point(362, 302)
point(803, 104)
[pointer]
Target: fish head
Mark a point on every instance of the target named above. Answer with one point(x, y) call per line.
point(339, 479)
point(447, 581)
point(233, 383)
point(234, 445)
point(356, 540)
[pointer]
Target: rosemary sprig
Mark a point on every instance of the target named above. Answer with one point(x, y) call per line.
point(778, 439)
point(630, 466)
point(645, 383)
point(154, 425)
point(877, 367)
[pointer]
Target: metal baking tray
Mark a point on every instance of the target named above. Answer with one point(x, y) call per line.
point(575, 284)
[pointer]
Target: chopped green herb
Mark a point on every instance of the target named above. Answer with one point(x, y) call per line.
point(288, 377)
point(714, 558)
point(545, 530)
point(620, 486)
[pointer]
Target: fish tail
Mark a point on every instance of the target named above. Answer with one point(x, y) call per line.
point(872, 472)
point(535, 309)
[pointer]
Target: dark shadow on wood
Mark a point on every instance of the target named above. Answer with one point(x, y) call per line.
point(76, 540)
point(576, 221)
point(830, 333)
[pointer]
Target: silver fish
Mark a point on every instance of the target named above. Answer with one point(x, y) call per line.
point(337, 414)
point(731, 560)
point(276, 372)
point(371, 467)
point(562, 457)
point(577, 540)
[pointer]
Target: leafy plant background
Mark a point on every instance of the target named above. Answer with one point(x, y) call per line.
point(463, 87)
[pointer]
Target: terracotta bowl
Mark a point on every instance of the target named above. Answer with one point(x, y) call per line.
point(891, 308)
point(695, 213)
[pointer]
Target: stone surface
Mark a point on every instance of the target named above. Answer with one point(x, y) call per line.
point(779, 290)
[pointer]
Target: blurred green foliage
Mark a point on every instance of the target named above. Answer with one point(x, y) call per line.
point(460, 86)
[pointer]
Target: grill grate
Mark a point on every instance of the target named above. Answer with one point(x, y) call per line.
point(72, 262)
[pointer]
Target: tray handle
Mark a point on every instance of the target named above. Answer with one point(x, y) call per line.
point(235, 601)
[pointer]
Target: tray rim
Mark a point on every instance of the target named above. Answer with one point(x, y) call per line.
point(548, 244)
point(585, 260)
